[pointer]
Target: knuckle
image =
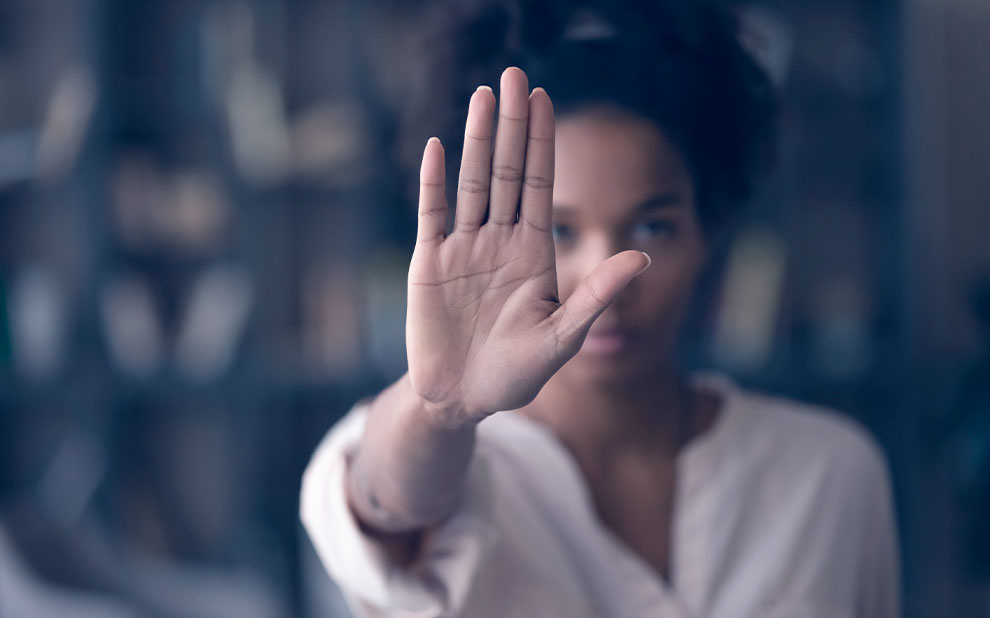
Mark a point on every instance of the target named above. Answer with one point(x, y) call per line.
point(473, 186)
point(534, 181)
point(475, 137)
point(595, 296)
point(507, 173)
point(463, 226)
point(432, 211)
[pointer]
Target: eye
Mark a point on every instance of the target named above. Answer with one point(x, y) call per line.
point(563, 234)
point(653, 230)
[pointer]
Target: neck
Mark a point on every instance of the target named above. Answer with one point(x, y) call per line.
point(651, 416)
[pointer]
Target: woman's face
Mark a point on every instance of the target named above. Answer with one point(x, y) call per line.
point(620, 184)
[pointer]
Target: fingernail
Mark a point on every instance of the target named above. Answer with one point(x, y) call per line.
point(483, 87)
point(538, 88)
point(648, 262)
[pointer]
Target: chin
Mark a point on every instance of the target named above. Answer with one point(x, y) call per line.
point(610, 370)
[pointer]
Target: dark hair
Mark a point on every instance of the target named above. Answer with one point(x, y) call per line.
point(677, 63)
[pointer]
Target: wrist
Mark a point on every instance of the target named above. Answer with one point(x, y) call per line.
point(444, 416)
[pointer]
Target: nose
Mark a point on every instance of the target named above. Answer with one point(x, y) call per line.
point(596, 248)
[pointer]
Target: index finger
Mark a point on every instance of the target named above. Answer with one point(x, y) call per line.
point(432, 201)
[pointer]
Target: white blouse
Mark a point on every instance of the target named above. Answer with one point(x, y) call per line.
point(781, 510)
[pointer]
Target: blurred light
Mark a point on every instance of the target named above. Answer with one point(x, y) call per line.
point(328, 144)
point(332, 321)
point(71, 479)
point(139, 190)
point(69, 112)
point(18, 156)
point(199, 209)
point(750, 301)
point(214, 319)
point(842, 347)
point(588, 26)
point(258, 132)
point(188, 210)
point(132, 325)
point(385, 290)
point(770, 40)
point(227, 42)
point(37, 317)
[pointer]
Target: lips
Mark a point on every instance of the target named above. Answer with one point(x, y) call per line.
point(607, 341)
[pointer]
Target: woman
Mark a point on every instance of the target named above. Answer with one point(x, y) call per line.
point(543, 456)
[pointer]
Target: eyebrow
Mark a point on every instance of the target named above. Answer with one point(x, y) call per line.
point(657, 202)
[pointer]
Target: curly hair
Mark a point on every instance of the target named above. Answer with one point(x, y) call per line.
point(678, 64)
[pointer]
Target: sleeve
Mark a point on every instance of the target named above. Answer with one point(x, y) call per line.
point(879, 594)
point(452, 556)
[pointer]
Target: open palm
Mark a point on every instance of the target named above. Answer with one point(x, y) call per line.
point(485, 328)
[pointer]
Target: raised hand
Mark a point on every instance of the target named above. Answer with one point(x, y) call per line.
point(485, 328)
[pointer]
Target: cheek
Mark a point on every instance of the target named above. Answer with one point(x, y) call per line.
point(570, 273)
point(665, 282)
point(576, 262)
point(658, 294)
point(663, 292)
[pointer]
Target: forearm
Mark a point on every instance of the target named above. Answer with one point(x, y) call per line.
point(410, 468)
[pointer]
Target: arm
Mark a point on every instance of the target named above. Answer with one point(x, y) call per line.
point(485, 329)
point(408, 470)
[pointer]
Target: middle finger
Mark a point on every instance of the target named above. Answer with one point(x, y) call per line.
point(508, 161)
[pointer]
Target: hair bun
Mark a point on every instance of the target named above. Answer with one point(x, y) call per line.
point(588, 25)
point(678, 64)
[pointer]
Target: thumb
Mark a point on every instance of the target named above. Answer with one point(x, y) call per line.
point(594, 294)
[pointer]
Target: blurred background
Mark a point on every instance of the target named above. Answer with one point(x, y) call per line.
point(204, 235)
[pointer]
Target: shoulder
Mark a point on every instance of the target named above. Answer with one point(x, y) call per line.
point(785, 438)
point(816, 430)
